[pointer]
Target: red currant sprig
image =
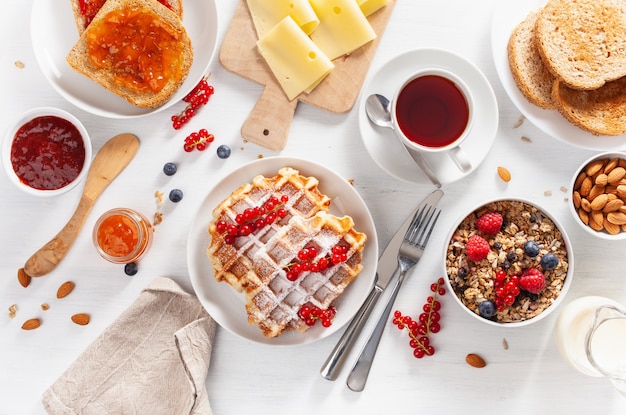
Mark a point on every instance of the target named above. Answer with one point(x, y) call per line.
point(306, 261)
point(310, 313)
point(198, 97)
point(253, 218)
point(507, 289)
point(427, 323)
point(199, 140)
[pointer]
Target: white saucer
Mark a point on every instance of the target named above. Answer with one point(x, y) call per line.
point(506, 16)
point(389, 153)
point(227, 306)
point(53, 33)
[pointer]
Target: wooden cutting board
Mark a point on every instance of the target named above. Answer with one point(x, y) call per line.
point(269, 120)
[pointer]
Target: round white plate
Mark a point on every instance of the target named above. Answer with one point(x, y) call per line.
point(506, 16)
point(54, 33)
point(225, 304)
point(385, 148)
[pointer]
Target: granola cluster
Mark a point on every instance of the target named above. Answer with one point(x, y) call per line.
point(474, 281)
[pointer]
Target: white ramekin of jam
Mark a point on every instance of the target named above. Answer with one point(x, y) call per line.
point(46, 151)
point(122, 235)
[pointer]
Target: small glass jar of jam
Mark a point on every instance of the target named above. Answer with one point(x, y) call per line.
point(122, 235)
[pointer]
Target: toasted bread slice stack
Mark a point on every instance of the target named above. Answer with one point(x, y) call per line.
point(581, 45)
point(137, 49)
point(85, 11)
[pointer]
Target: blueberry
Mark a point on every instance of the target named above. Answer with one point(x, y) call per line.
point(497, 245)
point(131, 268)
point(531, 249)
point(223, 151)
point(549, 261)
point(462, 272)
point(169, 169)
point(487, 309)
point(176, 195)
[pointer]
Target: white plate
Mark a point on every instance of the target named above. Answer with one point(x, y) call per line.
point(54, 33)
point(389, 153)
point(226, 305)
point(507, 15)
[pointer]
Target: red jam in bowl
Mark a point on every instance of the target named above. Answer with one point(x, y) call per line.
point(47, 153)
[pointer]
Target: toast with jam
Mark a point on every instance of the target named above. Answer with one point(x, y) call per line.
point(136, 49)
point(86, 10)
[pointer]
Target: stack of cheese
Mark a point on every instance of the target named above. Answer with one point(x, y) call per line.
point(571, 56)
point(300, 38)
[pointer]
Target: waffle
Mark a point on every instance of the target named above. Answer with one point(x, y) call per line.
point(255, 264)
point(234, 264)
point(272, 301)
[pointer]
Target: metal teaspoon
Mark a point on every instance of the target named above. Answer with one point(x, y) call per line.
point(377, 109)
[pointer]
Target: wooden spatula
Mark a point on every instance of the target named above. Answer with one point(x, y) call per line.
point(112, 158)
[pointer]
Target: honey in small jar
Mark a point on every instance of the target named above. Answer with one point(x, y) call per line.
point(122, 235)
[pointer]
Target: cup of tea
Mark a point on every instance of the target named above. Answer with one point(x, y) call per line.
point(432, 112)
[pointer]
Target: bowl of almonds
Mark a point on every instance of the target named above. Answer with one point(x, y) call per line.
point(598, 199)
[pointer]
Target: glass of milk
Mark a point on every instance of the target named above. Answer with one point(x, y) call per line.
point(590, 333)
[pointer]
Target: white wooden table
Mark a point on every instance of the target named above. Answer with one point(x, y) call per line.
point(244, 377)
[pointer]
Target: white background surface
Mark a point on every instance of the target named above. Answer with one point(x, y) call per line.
point(246, 377)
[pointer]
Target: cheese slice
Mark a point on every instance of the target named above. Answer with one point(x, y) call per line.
point(267, 13)
point(296, 62)
point(370, 6)
point(343, 27)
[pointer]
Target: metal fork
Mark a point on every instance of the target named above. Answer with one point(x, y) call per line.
point(409, 254)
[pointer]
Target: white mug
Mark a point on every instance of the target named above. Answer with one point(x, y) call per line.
point(432, 112)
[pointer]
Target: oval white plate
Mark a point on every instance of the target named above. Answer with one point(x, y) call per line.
point(227, 306)
point(506, 16)
point(54, 33)
point(385, 148)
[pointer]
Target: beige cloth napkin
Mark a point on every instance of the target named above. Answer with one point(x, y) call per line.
point(152, 360)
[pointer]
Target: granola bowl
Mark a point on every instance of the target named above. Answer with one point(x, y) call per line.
point(598, 198)
point(509, 262)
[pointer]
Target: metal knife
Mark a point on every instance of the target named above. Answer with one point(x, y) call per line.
point(387, 263)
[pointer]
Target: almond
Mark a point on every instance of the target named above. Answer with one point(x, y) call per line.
point(618, 218)
point(65, 289)
point(595, 191)
point(599, 202)
point(602, 180)
point(31, 324)
point(611, 165)
point(613, 205)
point(504, 174)
point(23, 278)
point(611, 228)
point(621, 191)
point(81, 319)
point(579, 180)
point(616, 175)
point(585, 186)
point(584, 216)
point(475, 360)
point(594, 167)
point(576, 199)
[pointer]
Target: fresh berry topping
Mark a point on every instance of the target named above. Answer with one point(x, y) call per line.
point(532, 280)
point(198, 140)
point(254, 218)
point(477, 248)
point(169, 169)
point(223, 151)
point(487, 309)
point(176, 195)
point(427, 323)
point(198, 97)
point(310, 313)
point(131, 268)
point(489, 223)
point(549, 262)
point(506, 288)
point(531, 249)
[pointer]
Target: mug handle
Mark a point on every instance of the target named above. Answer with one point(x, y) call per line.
point(460, 159)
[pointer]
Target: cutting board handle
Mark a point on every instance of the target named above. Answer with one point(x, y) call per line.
point(268, 123)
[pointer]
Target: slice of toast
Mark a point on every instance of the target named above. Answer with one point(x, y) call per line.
point(121, 66)
point(85, 11)
point(531, 76)
point(583, 42)
point(601, 111)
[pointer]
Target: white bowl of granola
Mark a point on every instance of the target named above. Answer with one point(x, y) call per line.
point(598, 196)
point(509, 262)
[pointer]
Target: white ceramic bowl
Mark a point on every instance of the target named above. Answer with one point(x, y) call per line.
point(525, 215)
point(9, 137)
point(574, 203)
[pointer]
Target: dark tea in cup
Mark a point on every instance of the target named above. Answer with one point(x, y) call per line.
point(432, 111)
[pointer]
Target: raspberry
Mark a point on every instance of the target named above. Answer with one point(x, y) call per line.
point(532, 280)
point(489, 223)
point(477, 248)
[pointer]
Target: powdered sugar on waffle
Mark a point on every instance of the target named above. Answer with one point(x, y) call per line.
point(256, 263)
